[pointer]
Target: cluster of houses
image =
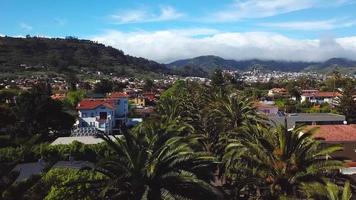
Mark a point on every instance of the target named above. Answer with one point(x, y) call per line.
point(312, 96)
point(329, 128)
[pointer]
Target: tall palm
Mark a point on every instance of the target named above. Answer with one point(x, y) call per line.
point(281, 161)
point(227, 115)
point(144, 166)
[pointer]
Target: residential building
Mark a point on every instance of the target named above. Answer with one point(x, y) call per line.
point(267, 107)
point(277, 92)
point(105, 114)
point(138, 100)
point(344, 135)
point(320, 97)
point(296, 119)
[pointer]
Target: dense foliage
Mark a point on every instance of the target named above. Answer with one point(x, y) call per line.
point(202, 142)
point(69, 55)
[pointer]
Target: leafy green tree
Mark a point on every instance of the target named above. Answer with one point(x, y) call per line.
point(37, 113)
point(74, 97)
point(217, 79)
point(63, 183)
point(148, 86)
point(347, 103)
point(103, 87)
point(176, 90)
point(7, 116)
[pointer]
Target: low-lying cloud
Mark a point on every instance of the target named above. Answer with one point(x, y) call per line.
point(169, 45)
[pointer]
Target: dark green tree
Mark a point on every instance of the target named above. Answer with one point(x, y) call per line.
point(37, 113)
point(347, 103)
point(217, 79)
point(103, 87)
point(148, 86)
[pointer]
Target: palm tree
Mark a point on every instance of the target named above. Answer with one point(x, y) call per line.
point(146, 166)
point(328, 191)
point(280, 161)
point(227, 115)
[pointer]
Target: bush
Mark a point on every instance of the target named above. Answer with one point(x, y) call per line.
point(53, 153)
point(66, 183)
point(78, 150)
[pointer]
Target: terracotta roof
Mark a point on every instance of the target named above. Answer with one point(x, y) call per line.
point(279, 90)
point(322, 94)
point(335, 133)
point(149, 95)
point(309, 91)
point(118, 95)
point(350, 164)
point(58, 96)
point(87, 104)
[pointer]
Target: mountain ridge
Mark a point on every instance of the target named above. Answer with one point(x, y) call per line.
point(210, 62)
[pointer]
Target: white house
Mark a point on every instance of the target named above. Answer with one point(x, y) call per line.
point(320, 97)
point(105, 114)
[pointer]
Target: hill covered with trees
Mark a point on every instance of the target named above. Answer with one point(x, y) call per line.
point(69, 55)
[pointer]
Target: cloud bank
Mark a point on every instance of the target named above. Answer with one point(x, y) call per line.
point(169, 45)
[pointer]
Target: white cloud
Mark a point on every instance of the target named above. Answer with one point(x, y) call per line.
point(312, 25)
point(245, 9)
point(26, 26)
point(169, 45)
point(60, 21)
point(166, 13)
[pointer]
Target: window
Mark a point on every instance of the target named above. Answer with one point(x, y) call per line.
point(103, 115)
point(92, 114)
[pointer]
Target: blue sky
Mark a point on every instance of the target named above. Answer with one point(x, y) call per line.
point(167, 30)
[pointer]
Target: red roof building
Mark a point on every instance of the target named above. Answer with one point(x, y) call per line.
point(116, 95)
point(344, 135)
point(88, 104)
point(150, 96)
point(335, 133)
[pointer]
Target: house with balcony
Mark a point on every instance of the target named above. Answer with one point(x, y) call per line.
point(104, 114)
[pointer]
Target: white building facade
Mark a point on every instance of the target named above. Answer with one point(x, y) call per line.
point(105, 115)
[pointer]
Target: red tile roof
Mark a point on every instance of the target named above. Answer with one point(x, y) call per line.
point(350, 164)
point(118, 95)
point(58, 96)
point(335, 133)
point(322, 94)
point(150, 96)
point(88, 104)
